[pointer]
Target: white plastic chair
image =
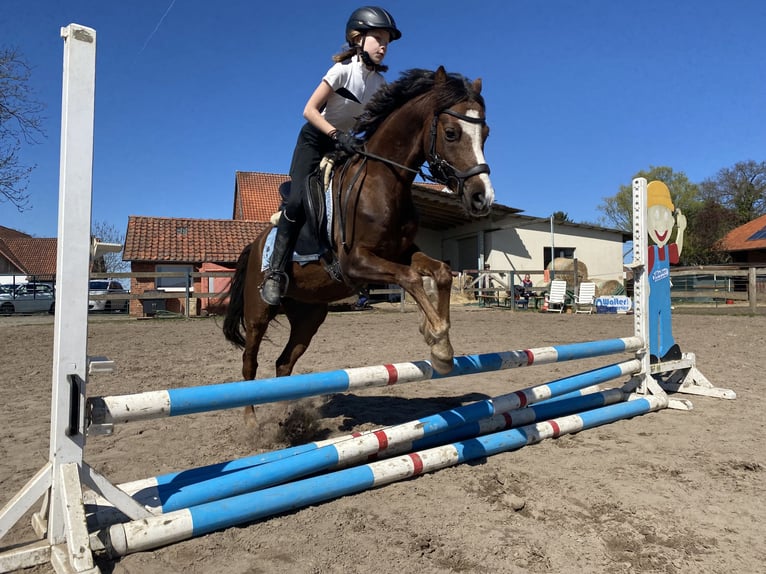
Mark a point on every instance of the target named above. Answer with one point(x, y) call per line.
point(585, 299)
point(557, 296)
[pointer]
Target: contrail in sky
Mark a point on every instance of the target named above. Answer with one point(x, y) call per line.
point(157, 27)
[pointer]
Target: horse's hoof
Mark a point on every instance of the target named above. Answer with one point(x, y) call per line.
point(441, 366)
point(442, 355)
point(251, 422)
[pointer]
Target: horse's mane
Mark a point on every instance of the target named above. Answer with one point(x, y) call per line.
point(411, 84)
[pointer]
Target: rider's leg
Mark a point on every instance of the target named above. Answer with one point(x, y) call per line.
point(310, 147)
point(275, 284)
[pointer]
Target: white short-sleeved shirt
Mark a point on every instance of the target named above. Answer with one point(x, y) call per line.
point(353, 85)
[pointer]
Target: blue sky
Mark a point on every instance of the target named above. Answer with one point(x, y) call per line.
point(581, 94)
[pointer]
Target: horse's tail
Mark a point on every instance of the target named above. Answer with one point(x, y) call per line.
point(234, 321)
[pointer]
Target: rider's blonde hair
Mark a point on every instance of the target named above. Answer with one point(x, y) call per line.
point(354, 37)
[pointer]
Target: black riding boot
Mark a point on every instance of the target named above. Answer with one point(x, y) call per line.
point(275, 283)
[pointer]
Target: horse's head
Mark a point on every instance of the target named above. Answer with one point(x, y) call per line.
point(455, 152)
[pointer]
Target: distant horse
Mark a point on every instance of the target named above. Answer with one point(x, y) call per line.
point(424, 117)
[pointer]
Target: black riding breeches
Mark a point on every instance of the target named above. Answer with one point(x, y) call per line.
point(311, 146)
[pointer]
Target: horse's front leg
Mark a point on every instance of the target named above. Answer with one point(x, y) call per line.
point(436, 278)
point(367, 267)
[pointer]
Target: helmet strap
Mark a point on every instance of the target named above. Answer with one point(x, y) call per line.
point(366, 57)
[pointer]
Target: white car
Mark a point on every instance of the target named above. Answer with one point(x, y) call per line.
point(27, 298)
point(107, 287)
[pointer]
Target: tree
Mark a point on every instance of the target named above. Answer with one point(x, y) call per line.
point(108, 233)
point(20, 123)
point(741, 188)
point(561, 217)
point(618, 209)
point(708, 223)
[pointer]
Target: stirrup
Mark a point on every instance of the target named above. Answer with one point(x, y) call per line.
point(274, 287)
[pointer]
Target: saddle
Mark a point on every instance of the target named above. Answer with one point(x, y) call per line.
point(315, 238)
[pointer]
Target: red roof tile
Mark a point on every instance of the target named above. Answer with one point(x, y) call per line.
point(35, 256)
point(8, 233)
point(188, 240)
point(741, 238)
point(256, 195)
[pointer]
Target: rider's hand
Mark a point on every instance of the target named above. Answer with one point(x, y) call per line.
point(346, 142)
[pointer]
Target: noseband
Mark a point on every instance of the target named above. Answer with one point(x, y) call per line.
point(441, 170)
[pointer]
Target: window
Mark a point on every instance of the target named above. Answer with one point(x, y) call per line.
point(174, 283)
point(34, 290)
point(566, 252)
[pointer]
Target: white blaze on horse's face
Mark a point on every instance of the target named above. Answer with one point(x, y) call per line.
point(475, 131)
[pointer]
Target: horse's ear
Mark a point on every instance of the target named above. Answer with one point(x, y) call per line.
point(477, 86)
point(440, 77)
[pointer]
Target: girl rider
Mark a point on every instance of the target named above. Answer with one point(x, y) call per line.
point(330, 113)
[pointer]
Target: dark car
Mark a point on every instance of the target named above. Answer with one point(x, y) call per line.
point(103, 287)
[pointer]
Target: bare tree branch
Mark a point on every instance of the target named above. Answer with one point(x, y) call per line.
point(20, 124)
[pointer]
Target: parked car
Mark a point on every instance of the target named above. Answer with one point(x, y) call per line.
point(107, 287)
point(28, 298)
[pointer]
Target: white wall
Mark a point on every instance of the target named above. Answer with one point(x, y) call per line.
point(519, 244)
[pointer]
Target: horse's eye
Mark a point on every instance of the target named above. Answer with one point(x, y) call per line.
point(451, 134)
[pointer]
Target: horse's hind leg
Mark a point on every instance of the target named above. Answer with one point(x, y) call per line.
point(305, 320)
point(257, 319)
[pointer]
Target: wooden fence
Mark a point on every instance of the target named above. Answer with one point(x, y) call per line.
point(717, 285)
point(191, 292)
point(720, 285)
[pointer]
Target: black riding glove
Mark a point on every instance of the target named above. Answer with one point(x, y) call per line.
point(346, 142)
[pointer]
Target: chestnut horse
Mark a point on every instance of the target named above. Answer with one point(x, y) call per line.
point(424, 117)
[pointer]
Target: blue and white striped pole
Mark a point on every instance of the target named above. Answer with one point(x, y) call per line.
point(155, 531)
point(189, 400)
point(173, 495)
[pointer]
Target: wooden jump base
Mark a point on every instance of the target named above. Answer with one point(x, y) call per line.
point(466, 433)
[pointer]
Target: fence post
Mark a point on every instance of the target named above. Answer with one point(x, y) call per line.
point(188, 287)
point(752, 294)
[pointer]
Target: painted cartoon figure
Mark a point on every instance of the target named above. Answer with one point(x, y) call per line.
point(660, 222)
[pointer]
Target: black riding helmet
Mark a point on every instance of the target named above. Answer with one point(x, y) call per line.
point(371, 18)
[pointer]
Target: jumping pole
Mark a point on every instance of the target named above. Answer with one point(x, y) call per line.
point(181, 490)
point(188, 400)
point(146, 534)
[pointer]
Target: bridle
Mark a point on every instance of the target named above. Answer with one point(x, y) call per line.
point(441, 171)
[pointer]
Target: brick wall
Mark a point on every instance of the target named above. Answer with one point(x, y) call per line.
point(140, 285)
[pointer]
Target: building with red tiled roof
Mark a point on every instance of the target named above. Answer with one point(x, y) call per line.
point(747, 243)
point(22, 254)
point(183, 240)
point(183, 245)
